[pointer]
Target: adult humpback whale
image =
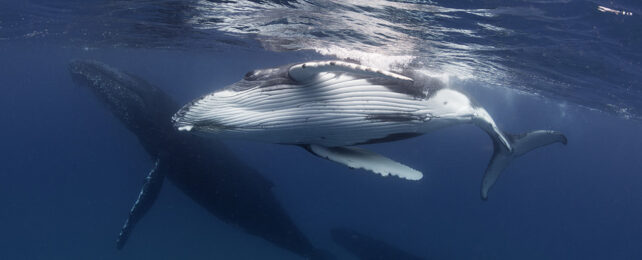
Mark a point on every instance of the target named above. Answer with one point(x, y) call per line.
point(327, 107)
point(202, 168)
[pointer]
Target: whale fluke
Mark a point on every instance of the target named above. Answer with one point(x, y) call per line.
point(521, 144)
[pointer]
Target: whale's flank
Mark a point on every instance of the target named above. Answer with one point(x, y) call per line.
point(328, 107)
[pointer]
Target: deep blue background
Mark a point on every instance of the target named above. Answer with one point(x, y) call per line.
point(70, 172)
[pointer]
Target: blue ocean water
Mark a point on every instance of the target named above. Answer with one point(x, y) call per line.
point(71, 170)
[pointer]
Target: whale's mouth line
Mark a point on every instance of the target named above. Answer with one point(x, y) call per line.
point(184, 123)
point(181, 123)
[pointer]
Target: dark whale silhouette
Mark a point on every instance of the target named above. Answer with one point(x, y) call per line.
point(202, 168)
point(368, 248)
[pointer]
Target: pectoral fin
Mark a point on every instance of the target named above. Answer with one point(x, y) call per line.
point(146, 198)
point(359, 158)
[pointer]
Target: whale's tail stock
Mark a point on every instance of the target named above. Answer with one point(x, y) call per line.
point(507, 147)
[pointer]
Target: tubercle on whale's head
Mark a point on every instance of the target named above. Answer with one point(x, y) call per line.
point(143, 108)
point(127, 97)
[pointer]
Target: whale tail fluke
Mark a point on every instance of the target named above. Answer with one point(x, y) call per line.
point(520, 144)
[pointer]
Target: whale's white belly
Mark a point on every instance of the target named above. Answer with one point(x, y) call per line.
point(334, 110)
point(329, 106)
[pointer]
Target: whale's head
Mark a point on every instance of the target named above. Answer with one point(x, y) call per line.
point(143, 108)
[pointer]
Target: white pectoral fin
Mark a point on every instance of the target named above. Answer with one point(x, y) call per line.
point(303, 72)
point(359, 158)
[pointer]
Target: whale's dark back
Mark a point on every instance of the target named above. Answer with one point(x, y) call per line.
point(205, 169)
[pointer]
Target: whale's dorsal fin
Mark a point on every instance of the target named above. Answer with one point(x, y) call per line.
point(303, 72)
point(358, 158)
point(146, 197)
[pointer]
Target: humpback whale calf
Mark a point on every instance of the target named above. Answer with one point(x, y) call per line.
point(368, 248)
point(204, 169)
point(328, 107)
